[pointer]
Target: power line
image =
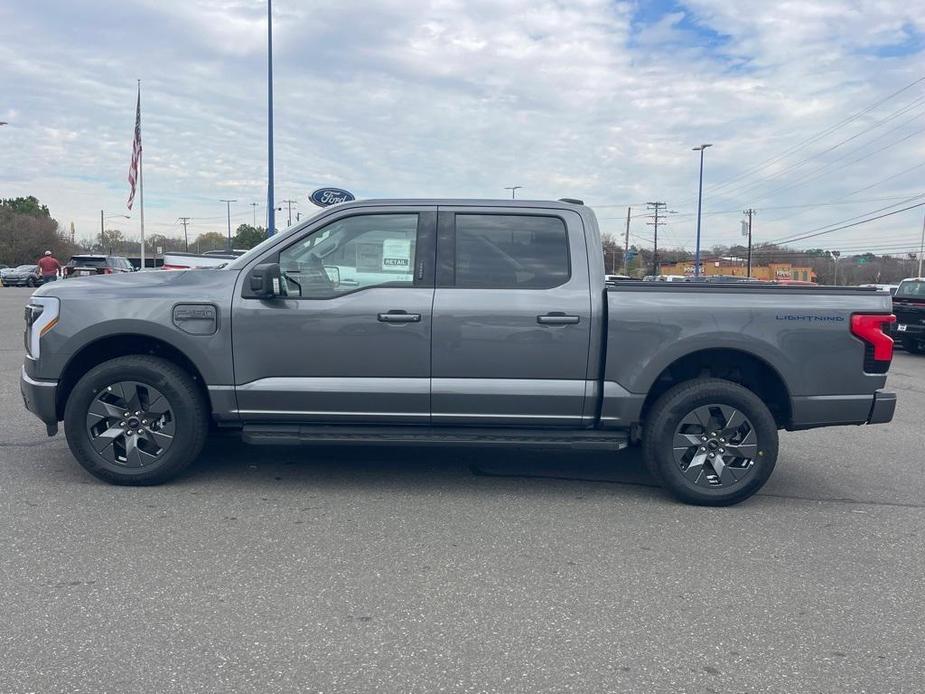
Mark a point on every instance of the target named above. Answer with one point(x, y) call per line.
point(813, 138)
point(848, 226)
point(739, 189)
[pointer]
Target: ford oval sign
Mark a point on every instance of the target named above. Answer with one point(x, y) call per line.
point(323, 197)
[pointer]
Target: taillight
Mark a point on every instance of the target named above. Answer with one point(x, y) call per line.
point(107, 271)
point(871, 329)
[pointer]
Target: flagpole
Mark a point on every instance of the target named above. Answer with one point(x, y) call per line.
point(141, 187)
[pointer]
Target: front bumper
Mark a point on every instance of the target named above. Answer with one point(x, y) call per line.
point(40, 398)
point(915, 331)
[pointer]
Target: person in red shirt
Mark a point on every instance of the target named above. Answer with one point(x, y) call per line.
point(49, 267)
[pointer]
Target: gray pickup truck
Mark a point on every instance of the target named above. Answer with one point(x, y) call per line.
point(450, 322)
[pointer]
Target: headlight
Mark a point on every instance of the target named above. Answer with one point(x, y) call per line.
point(41, 316)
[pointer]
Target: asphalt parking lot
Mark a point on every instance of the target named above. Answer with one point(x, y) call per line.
point(421, 570)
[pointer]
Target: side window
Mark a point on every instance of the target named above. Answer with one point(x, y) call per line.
point(511, 251)
point(350, 254)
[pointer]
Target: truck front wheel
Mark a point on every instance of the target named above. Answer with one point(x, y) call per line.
point(136, 420)
point(710, 442)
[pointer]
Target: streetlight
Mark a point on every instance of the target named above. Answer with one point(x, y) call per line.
point(699, 201)
point(103, 227)
point(228, 204)
point(513, 190)
point(836, 255)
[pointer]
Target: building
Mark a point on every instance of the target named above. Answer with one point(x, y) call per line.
point(738, 268)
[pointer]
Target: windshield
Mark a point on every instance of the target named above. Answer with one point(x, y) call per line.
point(25, 268)
point(87, 261)
point(243, 260)
point(911, 288)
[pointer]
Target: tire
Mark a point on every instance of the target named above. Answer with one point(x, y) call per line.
point(690, 414)
point(144, 449)
point(914, 346)
point(30, 282)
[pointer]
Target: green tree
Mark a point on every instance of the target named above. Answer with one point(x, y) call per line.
point(28, 206)
point(247, 236)
point(210, 241)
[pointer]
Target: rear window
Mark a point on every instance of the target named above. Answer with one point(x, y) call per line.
point(912, 289)
point(87, 261)
point(510, 251)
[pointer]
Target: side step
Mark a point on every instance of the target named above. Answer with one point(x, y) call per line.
point(322, 434)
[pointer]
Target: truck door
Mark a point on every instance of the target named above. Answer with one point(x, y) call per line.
point(512, 314)
point(351, 341)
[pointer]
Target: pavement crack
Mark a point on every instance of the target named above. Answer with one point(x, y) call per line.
point(844, 500)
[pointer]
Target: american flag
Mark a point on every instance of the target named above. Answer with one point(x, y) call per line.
point(136, 152)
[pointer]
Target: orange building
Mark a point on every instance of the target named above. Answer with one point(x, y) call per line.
point(738, 268)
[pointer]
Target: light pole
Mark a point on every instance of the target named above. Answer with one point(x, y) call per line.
point(228, 203)
point(271, 204)
point(921, 248)
point(254, 205)
point(700, 149)
point(836, 255)
point(513, 190)
point(103, 227)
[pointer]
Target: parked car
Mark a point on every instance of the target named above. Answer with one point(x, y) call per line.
point(84, 265)
point(909, 307)
point(451, 322)
point(613, 279)
point(891, 288)
point(177, 260)
point(21, 276)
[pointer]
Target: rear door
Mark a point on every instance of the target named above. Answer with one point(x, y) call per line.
point(512, 314)
point(351, 341)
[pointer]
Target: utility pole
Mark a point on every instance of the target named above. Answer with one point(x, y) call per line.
point(749, 212)
point(836, 254)
point(626, 243)
point(184, 221)
point(290, 204)
point(921, 248)
point(656, 208)
point(228, 203)
point(254, 205)
point(513, 190)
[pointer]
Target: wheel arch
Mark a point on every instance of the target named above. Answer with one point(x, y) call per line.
point(121, 345)
point(736, 365)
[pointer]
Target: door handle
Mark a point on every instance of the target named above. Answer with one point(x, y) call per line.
point(397, 316)
point(557, 318)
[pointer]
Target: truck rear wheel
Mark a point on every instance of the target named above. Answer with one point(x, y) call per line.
point(136, 420)
point(914, 346)
point(710, 442)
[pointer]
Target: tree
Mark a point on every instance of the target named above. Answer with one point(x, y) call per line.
point(28, 206)
point(27, 231)
point(247, 236)
point(211, 241)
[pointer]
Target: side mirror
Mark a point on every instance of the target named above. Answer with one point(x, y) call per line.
point(266, 282)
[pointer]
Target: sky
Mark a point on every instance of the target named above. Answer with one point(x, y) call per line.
point(815, 110)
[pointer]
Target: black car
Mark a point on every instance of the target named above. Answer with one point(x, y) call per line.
point(909, 309)
point(22, 276)
point(82, 265)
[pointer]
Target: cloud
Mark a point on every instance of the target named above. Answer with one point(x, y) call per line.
point(594, 99)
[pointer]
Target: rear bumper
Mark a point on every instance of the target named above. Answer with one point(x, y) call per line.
point(40, 398)
point(838, 410)
point(883, 408)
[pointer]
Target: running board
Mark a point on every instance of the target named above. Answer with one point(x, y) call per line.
point(320, 434)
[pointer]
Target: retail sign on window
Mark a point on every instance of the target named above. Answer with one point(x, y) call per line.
point(396, 255)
